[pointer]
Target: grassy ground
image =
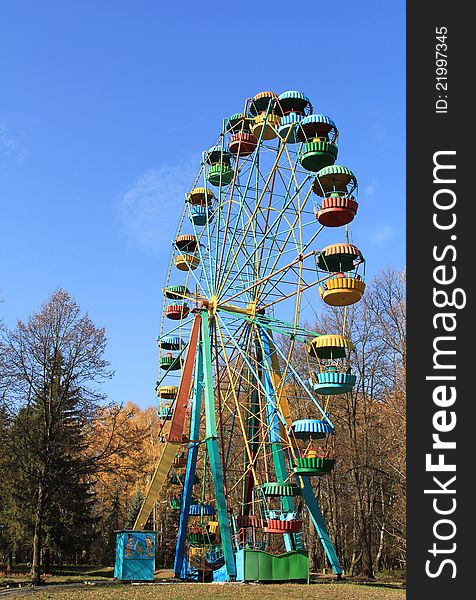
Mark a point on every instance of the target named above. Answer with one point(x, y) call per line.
point(197, 591)
point(91, 583)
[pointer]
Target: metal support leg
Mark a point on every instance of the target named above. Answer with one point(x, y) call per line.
point(191, 463)
point(318, 520)
point(274, 433)
point(213, 452)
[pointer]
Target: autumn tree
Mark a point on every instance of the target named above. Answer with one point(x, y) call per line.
point(370, 422)
point(117, 488)
point(363, 499)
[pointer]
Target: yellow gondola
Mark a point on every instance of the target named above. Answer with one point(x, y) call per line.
point(342, 290)
point(184, 262)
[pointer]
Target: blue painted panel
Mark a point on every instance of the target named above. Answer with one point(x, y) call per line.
point(288, 122)
point(333, 382)
point(200, 214)
point(135, 555)
point(240, 565)
point(221, 574)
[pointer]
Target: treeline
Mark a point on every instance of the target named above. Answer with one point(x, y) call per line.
point(363, 500)
point(73, 466)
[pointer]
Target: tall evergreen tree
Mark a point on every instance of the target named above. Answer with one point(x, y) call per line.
point(52, 365)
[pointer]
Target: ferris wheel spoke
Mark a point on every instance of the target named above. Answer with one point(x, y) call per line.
point(283, 270)
point(289, 288)
point(242, 410)
point(254, 163)
point(291, 232)
point(210, 232)
point(305, 247)
point(272, 230)
point(249, 254)
point(258, 202)
point(287, 193)
point(244, 210)
point(305, 387)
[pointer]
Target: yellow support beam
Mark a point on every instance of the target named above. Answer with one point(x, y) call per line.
point(282, 401)
point(156, 483)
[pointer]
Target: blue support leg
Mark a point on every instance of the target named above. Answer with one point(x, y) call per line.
point(318, 520)
point(191, 463)
point(274, 433)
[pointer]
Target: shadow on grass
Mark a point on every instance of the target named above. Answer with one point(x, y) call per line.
point(81, 571)
point(387, 581)
point(21, 577)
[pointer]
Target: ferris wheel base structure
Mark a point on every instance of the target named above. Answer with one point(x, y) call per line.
point(240, 564)
point(257, 565)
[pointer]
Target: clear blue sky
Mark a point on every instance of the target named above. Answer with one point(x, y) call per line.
point(104, 111)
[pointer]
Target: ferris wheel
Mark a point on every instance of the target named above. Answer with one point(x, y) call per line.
point(244, 428)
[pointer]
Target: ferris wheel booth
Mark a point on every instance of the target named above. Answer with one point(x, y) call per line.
point(135, 555)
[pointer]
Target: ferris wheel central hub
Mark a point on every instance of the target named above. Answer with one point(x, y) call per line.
point(251, 310)
point(213, 304)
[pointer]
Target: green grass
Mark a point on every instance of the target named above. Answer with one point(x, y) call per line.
point(229, 591)
point(72, 584)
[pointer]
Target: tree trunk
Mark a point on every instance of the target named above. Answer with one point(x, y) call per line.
point(9, 562)
point(378, 558)
point(47, 561)
point(367, 566)
point(354, 560)
point(36, 561)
